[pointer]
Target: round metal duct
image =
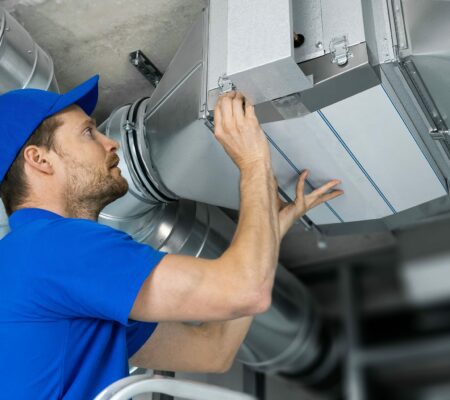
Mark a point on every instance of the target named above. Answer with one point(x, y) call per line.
point(291, 339)
point(23, 64)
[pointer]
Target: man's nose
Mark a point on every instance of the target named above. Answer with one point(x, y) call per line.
point(110, 144)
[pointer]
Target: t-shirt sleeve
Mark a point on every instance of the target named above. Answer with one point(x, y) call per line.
point(91, 271)
point(137, 335)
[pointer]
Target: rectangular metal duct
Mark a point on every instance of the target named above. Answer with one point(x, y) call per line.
point(255, 40)
point(359, 122)
point(363, 141)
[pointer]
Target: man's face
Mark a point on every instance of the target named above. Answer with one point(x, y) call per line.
point(86, 161)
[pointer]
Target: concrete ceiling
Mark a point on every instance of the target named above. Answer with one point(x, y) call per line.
point(86, 37)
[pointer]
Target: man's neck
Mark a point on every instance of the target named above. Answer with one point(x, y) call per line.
point(82, 210)
point(74, 210)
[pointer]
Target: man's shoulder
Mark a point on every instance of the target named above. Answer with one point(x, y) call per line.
point(84, 225)
point(66, 232)
point(87, 231)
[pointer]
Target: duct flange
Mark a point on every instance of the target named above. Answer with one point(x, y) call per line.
point(126, 125)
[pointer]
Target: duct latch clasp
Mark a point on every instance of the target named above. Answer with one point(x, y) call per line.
point(129, 126)
point(225, 84)
point(340, 51)
point(439, 134)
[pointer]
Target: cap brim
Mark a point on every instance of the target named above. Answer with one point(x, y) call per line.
point(84, 95)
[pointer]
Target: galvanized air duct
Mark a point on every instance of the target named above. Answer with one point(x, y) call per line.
point(288, 338)
point(312, 102)
point(23, 64)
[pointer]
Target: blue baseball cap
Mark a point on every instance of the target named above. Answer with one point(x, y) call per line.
point(23, 110)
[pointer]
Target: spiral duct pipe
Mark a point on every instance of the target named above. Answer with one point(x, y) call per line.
point(23, 64)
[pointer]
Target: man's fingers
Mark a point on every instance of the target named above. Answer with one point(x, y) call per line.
point(218, 119)
point(325, 188)
point(327, 197)
point(301, 182)
point(238, 108)
point(226, 108)
point(323, 194)
point(249, 110)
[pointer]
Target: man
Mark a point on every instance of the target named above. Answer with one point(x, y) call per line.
point(72, 290)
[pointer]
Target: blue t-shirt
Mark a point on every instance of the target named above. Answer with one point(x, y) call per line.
point(67, 287)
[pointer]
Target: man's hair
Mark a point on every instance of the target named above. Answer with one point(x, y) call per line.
point(14, 188)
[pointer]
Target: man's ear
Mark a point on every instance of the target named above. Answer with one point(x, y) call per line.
point(38, 159)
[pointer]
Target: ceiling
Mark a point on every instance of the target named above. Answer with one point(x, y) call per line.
point(87, 37)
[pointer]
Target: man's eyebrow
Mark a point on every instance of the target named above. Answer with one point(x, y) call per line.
point(89, 121)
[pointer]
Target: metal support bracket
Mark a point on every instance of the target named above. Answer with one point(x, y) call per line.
point(145, 67)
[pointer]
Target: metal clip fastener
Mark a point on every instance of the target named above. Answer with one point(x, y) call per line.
point(340, 51)
point(439, 134)
point(225, 84)
point(129, 126)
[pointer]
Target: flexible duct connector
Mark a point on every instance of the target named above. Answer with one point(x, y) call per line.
point(23, 64)
point(126, 125)
point(289, 338)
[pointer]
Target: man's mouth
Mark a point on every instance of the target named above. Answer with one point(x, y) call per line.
point(115, 162)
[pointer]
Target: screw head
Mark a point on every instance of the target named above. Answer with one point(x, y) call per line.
point(299, 39)
point(319, 45)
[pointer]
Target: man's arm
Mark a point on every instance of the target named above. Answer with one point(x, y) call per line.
point(210, 347)
point(238, 283)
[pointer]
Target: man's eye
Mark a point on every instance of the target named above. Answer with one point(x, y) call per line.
point(88, 132)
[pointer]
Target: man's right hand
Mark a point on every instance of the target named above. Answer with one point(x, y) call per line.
point(239, 132)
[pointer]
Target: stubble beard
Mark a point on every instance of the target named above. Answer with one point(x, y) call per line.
point(91, 188)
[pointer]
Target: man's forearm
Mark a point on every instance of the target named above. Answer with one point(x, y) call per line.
point(222, 341)
point(210, 347)
point(253, 253)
